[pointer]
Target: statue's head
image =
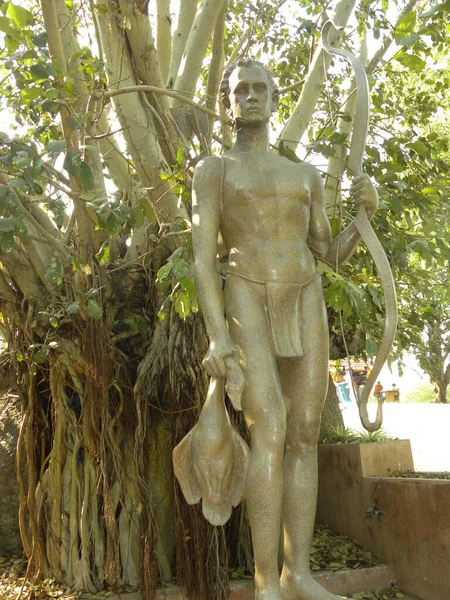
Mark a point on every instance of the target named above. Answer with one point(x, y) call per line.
point(249, 91)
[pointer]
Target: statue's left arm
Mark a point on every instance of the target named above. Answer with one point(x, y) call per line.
point(337, 250)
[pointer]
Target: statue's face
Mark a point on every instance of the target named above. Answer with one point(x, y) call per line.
point(250, 95)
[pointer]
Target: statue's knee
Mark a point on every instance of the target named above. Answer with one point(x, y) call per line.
point(303, 437)
point(269, 430)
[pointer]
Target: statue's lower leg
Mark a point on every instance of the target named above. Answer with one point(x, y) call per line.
point(264, 499)
point(299, 511)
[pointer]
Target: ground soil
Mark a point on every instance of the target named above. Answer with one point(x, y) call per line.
point(329, 551)
point(408, 474)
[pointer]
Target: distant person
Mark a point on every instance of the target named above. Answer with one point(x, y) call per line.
point(378, 389)
point(397, 392)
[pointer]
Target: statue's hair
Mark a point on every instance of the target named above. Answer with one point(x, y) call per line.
point(244, 62)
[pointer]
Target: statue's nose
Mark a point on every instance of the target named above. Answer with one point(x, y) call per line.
point(251, 93)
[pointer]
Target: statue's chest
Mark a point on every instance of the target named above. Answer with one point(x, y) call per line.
point(249, 187)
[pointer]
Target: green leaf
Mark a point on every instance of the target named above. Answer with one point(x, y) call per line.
point(54, 272)
point(419, 148)
point(93, 310)
point(6, 224)
point(396, 205)
point(411, 61)
point(103, 254)
point(19, 16)
point(40, 356)
point(6, 242)
point(187, 285)
point(148, 210)
point(179, 268)
point(31, 93)
point(52, 93)
point(56, 146)
point(40, 40)
point(443, 6)
point(133, 324)
point(371, 347)
point(180, 157)
point(182, 305)
point(80, 266)
point(178, 253)
point(39, 73)
point(164, 271)
point(72, 308)
point(405, 25)
point(5, 26)
point(18, 183)
point(86, 176)
point(72, 162)
point(288, 153)
point(162, 313)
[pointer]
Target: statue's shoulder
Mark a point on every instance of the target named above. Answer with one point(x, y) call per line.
point(208, 179)
point(309, 169)
point(209, 166)
point(288, 157)
point(310, 173)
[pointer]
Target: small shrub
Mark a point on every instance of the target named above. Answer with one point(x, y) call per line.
point(366, 437)
point(340, 434)
point(345, 435)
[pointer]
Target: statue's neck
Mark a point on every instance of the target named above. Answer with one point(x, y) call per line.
point(253, 138)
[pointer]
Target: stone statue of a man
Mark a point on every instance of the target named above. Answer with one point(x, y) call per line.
point(271, 216)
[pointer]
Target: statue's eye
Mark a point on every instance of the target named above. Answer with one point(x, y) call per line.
point(242, 88)
point(260, 87)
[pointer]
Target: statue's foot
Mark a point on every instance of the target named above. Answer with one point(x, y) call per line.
point(304, 588)
point(268, 594)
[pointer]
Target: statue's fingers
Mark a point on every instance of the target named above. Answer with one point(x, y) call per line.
point(219, 367)
point(359, 196)
point(358, 187)
point(359, 178)
point(211, 367)
point(208, 367)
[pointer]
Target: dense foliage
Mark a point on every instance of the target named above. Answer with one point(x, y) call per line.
point(97, 300)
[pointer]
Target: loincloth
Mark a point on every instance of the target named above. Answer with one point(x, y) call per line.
point(282, 303)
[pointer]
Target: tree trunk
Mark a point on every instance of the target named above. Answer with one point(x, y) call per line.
point(441, 392)
point(331, 415)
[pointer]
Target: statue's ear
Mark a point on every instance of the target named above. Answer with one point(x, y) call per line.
point(226, 101)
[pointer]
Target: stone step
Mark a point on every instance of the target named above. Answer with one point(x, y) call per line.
point(346, 581)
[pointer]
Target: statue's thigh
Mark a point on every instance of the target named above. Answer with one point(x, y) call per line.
point(247, 322)
point(305, 380)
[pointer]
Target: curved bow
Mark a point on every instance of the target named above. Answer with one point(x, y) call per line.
point(362, 224)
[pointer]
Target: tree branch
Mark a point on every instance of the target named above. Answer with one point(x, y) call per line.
point(163, 36)
point(215, 68)
point(373, 62)
point(186, 16)
point(162, 91)
point(196, 47)
point(298, 122)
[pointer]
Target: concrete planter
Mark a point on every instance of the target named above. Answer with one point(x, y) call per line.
point(412, 535)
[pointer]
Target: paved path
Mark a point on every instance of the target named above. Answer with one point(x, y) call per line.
point(426, 425)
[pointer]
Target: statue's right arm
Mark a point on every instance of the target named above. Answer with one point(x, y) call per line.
point(206, 217)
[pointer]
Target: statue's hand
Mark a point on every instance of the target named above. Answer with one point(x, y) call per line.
point(364, 194)
point(214, 361)
point(235, 381)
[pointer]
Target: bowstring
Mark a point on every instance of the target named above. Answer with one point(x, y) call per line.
point(338, 195)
